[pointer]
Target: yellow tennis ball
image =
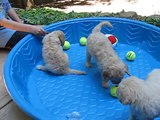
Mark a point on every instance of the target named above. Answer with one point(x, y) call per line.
point(83, 41)
point(130, 55)
point(113, 91)
point(66, 45)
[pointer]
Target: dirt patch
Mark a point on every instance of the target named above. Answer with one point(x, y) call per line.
point(63, 4)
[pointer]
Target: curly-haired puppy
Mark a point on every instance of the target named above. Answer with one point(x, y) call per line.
point(110, 65)
point(143, 96)
point(56, 61)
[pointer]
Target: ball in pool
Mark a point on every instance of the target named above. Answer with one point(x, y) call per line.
point(66, 45)
point(130, 55)
point(112, 39)
point(83, 41)
point(113, 91)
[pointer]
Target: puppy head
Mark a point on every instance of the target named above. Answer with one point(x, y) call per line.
point(114, 73)
point(126, 91)
point(56, 36)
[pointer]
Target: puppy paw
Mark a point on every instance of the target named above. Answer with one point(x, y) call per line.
point(88, 65)
point(105, 85)
point(131, 117)
point(41, 67)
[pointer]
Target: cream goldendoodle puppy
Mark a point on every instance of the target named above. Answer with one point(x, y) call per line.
point(110, 65)
point(143, 96)
point(56, 61)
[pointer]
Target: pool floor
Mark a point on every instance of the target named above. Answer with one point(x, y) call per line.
point(57, 96)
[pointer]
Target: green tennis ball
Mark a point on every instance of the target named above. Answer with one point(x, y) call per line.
point(113, 91)
point(130, 55)
point(83, 41)
point(66, 45)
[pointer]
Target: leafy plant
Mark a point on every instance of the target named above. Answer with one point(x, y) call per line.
point(45, 16)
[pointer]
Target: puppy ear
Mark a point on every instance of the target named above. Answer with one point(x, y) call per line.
point(44, 39)
point(114, 69)
point(111, 70)
point(106, 74)
point(123, 95)
point(127, 100)
point(62, 40)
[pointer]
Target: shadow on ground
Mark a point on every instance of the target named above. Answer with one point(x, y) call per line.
point(62, 4)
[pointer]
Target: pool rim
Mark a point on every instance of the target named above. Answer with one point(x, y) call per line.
point(17, 98)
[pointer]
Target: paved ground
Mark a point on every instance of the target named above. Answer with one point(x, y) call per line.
point(8, 109)
point(3, 55)
point(150, 6)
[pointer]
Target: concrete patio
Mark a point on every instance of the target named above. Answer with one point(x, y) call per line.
point(8, 109)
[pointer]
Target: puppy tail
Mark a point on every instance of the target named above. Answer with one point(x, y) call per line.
point(100, 25)
point(41, 67)
point(76, 72)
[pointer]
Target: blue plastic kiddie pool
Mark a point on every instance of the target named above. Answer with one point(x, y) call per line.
point(45, 96)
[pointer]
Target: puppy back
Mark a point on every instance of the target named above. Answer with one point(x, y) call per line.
point(100, 25)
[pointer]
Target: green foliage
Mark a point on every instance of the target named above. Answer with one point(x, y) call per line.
point(151, 20)
point(41, 16)
point(45, 16)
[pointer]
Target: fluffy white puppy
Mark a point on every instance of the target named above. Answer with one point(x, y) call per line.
point(100, 48)
point(56, 61)
point(143, 96)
